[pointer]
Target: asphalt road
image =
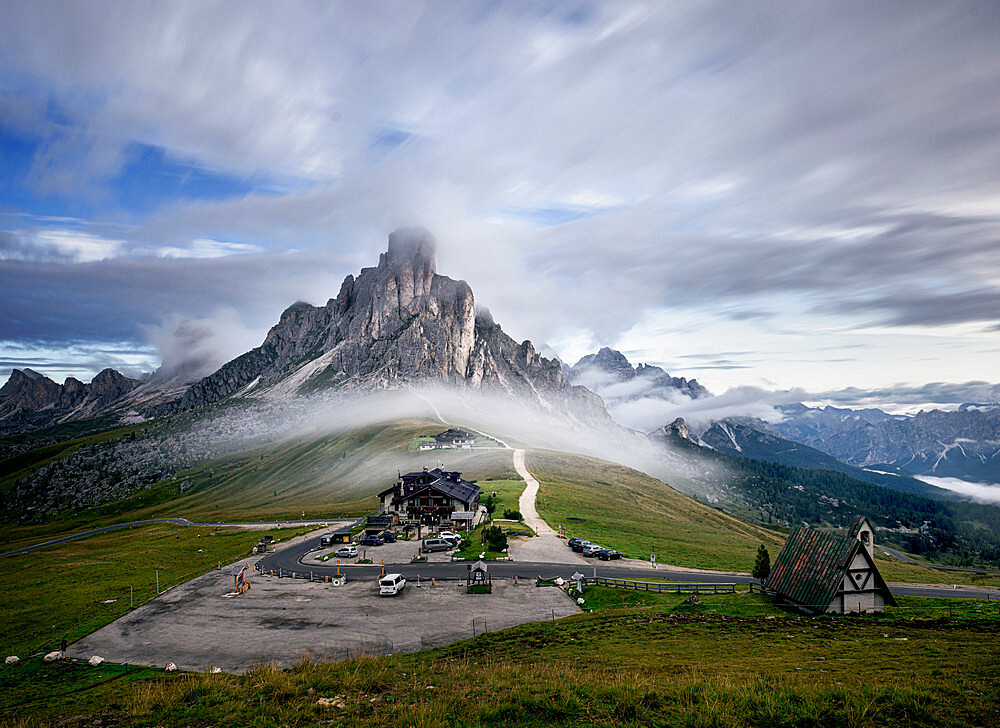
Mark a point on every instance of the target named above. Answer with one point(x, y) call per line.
point(290, 560)
point(176, 521)
point(903, 557)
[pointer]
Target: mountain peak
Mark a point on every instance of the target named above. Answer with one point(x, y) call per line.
point(394, 324)
point(411, 244)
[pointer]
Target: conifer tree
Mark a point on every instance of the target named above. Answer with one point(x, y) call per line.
point(762, 566)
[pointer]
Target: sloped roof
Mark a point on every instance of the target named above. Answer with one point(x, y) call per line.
point(461, 490)
point(453, 434)
point(448, 482)
point(859, 522)
point(811, 567)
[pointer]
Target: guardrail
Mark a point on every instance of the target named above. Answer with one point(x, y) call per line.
point(661, 587)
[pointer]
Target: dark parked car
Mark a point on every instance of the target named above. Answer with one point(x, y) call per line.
point(579, 547)
point(608, 554)
point(574, 541)
point(389, 537)
point(373, 540)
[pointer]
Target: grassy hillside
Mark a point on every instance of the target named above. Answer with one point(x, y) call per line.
point(664, 664)
point(627, 510)
point(321, 476)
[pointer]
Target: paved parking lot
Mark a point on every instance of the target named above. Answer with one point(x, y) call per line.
point(400, 552)
point(279, 620)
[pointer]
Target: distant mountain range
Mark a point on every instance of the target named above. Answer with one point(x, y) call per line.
point(396, 323)
point(30, 400)
point(867, 444)
point(964, 443)
point(756, 439)
point(611, 375)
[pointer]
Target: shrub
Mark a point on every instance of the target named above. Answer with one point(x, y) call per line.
point(494, 538)
point(512, 515)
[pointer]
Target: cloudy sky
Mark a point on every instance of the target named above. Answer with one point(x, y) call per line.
point(794, 195)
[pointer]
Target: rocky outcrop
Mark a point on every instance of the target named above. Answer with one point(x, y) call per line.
point(30, 400)
point(610, 374)
point(396, 323)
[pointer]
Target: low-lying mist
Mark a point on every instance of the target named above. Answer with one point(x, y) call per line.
point(256, 421)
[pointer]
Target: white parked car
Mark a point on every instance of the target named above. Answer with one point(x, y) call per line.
point(346, 552)
point(450, 536)
point(391, 584)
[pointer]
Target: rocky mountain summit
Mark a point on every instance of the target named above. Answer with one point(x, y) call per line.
point(628, 389)
point(399, 322)
point(677, 429)
point(611, 374)
point(30, 399)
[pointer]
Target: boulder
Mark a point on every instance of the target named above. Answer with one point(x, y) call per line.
point(170, 667)
point(95, 661)
point(53, 656)
point(12, 660)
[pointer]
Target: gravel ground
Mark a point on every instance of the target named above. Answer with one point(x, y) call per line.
point(197, 627)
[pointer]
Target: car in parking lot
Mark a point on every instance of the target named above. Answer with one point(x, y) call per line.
point(574, 541)
point(592, 549)
point(451, 537)
point(346, 552)
point(371, 540)
point(389, 537)
point(391, 584)
point(579, 546)
point(435, 544)
point(608, 554)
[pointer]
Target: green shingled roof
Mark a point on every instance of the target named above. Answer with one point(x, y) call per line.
point(810, 567)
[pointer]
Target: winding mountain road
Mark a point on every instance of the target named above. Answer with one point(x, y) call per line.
point(903, 557)
point(175, 521)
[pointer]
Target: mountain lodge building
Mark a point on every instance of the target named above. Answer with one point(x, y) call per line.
point(430, 496)
point(450, 438)
point(824, 573)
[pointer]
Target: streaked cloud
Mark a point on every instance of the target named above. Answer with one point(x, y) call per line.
point(667, 178)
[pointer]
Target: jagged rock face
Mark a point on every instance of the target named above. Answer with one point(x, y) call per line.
point(28, 391)
point(612, 376)
point(676, 429)
point(398, 322)
point(30, 400)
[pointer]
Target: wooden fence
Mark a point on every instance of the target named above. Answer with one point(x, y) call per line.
point(662, 587)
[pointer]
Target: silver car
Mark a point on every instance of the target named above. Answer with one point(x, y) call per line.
point(346, 552)
point(591, 549)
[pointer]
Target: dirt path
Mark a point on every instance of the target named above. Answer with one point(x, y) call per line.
point(546, 546)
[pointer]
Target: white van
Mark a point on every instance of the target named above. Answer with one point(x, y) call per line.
point(391, 584)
